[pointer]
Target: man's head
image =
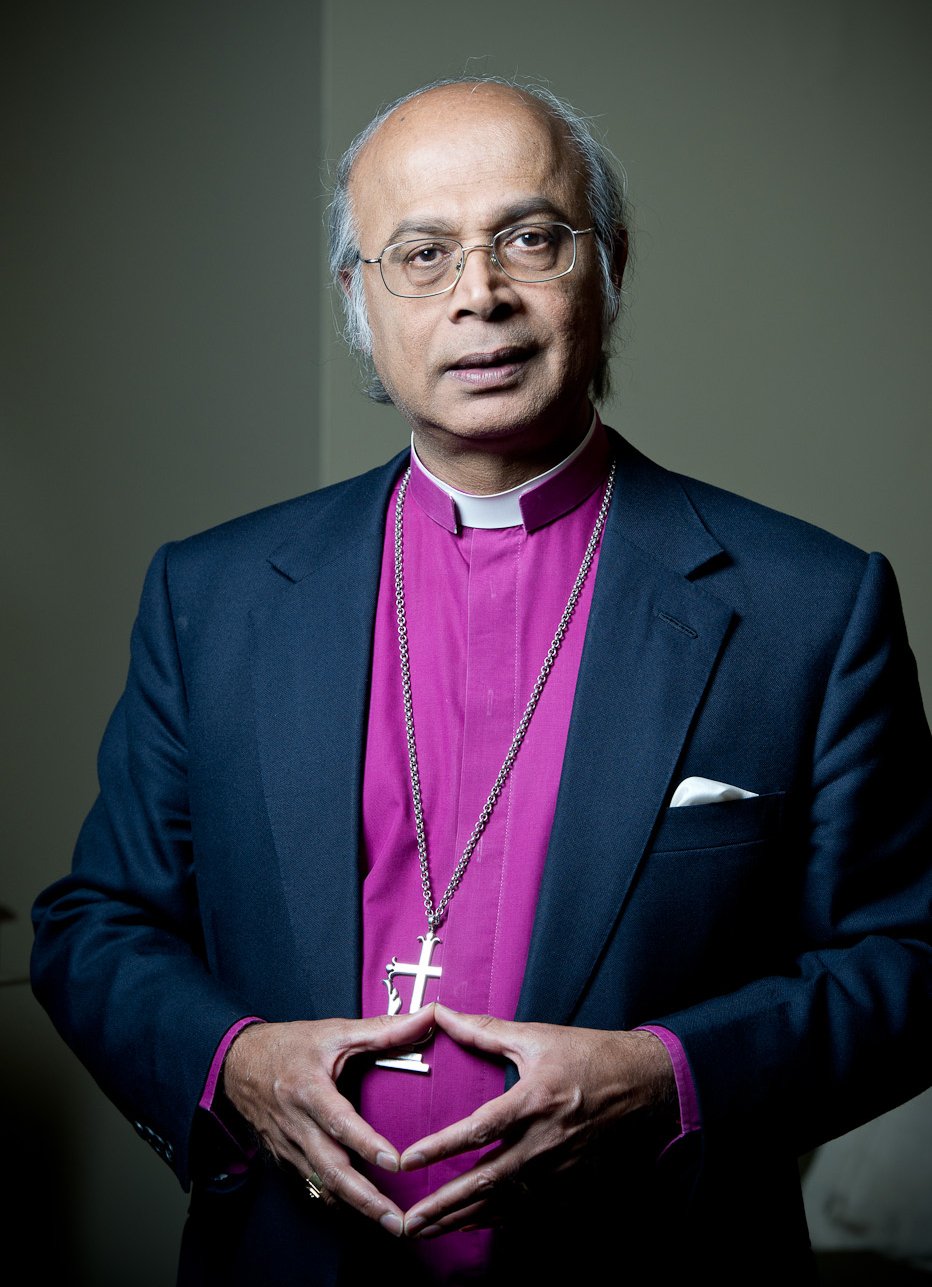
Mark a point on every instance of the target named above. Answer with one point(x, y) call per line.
point(463, 160)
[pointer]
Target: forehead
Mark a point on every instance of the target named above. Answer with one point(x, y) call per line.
point(459, 159)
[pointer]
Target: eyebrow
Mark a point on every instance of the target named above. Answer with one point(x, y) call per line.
point(504, 217)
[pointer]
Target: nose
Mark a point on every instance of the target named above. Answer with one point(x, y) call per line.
point(467, 251)
point(482, 287)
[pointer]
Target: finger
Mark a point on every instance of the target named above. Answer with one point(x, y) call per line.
point(334, 1113)
point(491, 1122)
point(480, 1215)
point(482, 1195)
point(339, 1182)
point(430, 1221)
point(383, 1032)
point(338, 1120)
point(316, 1153)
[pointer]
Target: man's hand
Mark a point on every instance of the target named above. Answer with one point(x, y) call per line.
point(281, 1077)
point(576, 1085)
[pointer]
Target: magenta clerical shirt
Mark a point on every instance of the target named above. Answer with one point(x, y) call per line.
point(483, 602)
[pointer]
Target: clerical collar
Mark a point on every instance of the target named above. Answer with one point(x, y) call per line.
point(534, 504)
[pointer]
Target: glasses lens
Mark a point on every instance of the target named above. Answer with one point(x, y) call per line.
point(536, 251)
point(420, 267)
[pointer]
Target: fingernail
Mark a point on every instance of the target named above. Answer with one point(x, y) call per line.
point(413, 1224)
point(432, 1231)
point(392, 1224)
point(411, 1161)
point(386, 1161)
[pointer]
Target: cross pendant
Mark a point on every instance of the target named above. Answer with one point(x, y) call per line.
point(410, 1060)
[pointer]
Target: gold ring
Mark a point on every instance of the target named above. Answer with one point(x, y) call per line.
point(314, 1185)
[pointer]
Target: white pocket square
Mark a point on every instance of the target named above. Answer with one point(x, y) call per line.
point(705, 791)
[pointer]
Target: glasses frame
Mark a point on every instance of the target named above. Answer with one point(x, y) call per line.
point(467, 251)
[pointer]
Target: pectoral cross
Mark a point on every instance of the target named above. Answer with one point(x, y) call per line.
point(410, 1060)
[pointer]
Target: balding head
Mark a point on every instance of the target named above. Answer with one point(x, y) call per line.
point(496, 113)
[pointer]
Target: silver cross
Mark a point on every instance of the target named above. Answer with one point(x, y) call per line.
point(410, 1061)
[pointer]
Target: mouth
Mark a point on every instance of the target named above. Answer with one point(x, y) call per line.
point(491, 369)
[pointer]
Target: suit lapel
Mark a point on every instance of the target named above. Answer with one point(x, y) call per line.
point(311, 669)
point(652, 642)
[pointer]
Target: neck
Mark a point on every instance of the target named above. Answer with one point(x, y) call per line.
point(485, 467)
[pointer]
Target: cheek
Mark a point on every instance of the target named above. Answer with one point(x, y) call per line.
point(400, 348)
point(389, 338)
point(587, 313)
point(575, 323)
point(576, 303)
point(398, 326)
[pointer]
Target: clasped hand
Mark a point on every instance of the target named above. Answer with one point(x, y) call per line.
point(574, 1086)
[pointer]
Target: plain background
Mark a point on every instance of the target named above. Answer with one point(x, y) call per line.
point(170, 359)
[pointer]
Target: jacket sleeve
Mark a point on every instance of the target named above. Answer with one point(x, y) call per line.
point(118, 959)
point(843, 1034)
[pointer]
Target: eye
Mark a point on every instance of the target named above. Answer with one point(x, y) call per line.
point(535, 237)
point(427, 254)
point(534, 252)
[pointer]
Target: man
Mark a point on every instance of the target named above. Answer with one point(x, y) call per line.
point(518, 851)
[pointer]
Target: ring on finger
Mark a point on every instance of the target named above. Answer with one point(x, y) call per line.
point(314, 1185)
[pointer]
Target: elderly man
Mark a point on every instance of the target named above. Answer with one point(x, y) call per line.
point(518, 851)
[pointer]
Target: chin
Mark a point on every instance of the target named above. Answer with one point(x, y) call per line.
point(493, 427)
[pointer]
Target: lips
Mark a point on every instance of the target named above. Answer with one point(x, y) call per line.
point(490, 370)
point(508, 356)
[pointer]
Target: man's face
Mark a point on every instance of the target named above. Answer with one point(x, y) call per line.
point(505, 362)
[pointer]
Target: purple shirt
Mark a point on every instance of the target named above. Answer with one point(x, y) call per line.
point(482, 609)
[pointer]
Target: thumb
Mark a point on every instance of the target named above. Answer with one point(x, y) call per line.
point(384, 1031)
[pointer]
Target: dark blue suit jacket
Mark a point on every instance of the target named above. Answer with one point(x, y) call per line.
point(784, 939)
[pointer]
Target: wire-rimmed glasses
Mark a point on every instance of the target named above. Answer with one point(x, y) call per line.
point(527, 252)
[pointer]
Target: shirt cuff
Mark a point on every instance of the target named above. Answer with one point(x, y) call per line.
point(209, 1093)
point(685, 1086)
point(212, 1102)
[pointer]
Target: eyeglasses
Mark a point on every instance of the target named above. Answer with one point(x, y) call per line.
point(530, 252)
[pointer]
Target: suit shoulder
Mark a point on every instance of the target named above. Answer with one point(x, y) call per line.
point(757, 558)
point(769, 538)
point(263, 527)
point(681, 519)
point(781, 568)
point(249, 539)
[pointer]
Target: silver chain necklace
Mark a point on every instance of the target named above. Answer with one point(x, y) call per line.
point(422, 970)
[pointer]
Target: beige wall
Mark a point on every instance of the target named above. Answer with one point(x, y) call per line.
point(160, 305)
point(777, 334)
point(170, 358)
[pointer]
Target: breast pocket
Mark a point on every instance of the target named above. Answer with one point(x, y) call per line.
point(720, 825)
point(713, 901)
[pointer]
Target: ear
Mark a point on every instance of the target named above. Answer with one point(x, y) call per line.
point(346, 280)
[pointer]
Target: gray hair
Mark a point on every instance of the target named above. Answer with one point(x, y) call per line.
point(608, 211)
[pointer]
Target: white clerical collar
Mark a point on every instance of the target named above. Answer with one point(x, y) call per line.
point(501, 509)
